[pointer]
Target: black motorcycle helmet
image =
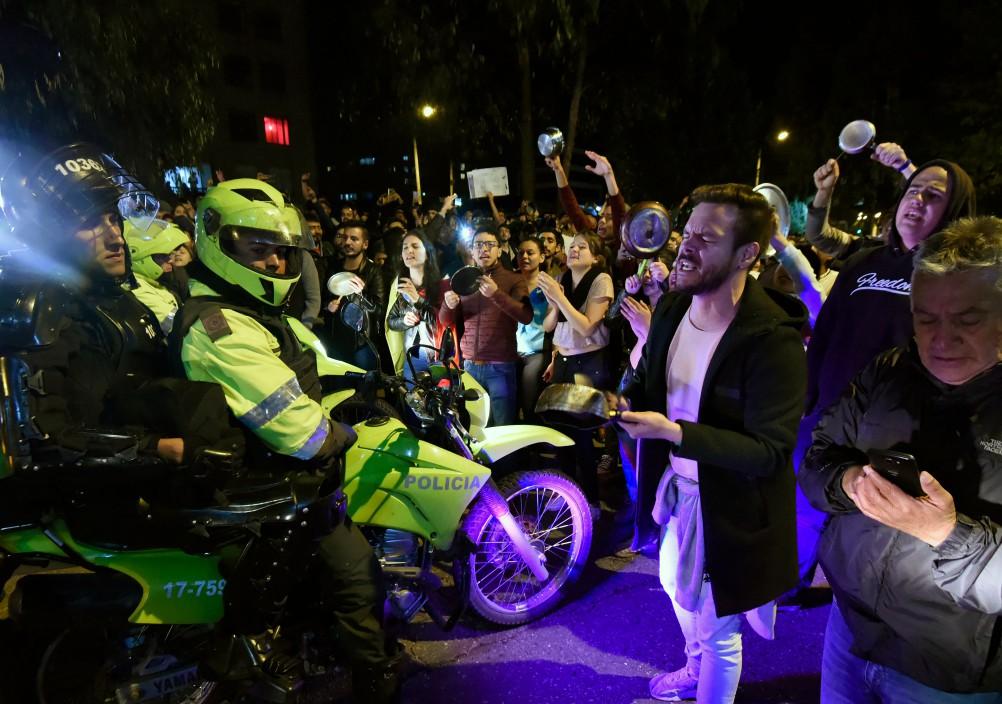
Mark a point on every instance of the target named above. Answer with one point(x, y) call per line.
point(47, 197)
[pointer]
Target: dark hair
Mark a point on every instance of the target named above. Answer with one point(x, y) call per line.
point(356, 225)
point(532, 239)
point(547, 223)
point(431, 276)
point(487, 226)
point(754, 221)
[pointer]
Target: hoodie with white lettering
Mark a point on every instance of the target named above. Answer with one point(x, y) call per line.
point(868, 308)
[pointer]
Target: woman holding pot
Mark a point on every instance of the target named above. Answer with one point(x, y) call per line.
point(412, 313)
point(578, 303)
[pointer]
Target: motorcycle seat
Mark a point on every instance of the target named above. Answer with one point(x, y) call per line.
point(246, 502)
point(250, 500)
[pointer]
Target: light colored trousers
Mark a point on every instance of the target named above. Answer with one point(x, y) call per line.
point(712, 645)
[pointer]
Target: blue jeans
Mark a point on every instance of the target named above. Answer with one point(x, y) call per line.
point(498, 379)
point(419, 363)
point(363, 358)
point(847, 679)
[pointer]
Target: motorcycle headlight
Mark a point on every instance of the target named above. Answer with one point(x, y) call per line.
point(417, 401)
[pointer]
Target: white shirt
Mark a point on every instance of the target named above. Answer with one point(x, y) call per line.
point(685, 369)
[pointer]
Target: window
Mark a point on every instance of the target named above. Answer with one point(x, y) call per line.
point(347, 197)
point(276, 131)
point(367, 161)
point(243, 126)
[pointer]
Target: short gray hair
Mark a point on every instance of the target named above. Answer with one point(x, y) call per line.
point(969, 244)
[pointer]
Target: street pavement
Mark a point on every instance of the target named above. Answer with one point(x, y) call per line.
point(602, 646)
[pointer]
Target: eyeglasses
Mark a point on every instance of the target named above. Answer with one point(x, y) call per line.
point(484, 245)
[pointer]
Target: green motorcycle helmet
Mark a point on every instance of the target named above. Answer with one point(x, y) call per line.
point(161, 237)
point(246, 209)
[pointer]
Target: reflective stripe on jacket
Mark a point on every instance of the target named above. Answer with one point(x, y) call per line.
point(261, 390)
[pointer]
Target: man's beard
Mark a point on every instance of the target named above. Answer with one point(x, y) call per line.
point(708, 282)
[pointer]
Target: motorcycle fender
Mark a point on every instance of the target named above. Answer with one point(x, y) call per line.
point(503, 440)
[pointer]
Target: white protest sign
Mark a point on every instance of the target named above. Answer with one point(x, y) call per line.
point(484, 181)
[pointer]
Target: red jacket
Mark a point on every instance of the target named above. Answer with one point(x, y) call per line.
point(489, 323)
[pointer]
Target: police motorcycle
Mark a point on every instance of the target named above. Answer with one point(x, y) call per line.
point(127, 579)
point(126, 619)
point(419, 483)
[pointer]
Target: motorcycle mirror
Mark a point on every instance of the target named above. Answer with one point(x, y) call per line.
point(550, 142)
point(471, 395)
point(353, 315)
point(856, 137)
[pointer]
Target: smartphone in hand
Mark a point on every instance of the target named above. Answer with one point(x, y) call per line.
point(899, 468)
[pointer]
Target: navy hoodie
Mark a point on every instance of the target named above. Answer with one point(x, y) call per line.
point(868, 309)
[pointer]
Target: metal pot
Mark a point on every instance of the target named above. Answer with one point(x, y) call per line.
point(466, 280)
point(857, 136)
point(550, 142)
point(340, 284)
point(645, 229)
point(575, 406)
point(777, 199)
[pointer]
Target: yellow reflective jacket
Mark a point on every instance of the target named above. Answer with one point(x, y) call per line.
point(158, 299)
point(243, 357)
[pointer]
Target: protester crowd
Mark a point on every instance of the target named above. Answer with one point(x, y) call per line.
point(742, 363)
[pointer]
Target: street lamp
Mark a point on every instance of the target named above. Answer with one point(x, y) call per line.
point(427, 111)
point(782, 136)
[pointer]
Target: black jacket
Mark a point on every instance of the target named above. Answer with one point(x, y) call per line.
point(927, 612)
point(102, 366)
point(748, 413)
point(343, 339)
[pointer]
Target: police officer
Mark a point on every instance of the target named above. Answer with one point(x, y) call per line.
point(150, 250)
point(98, 351)
point(250, 243)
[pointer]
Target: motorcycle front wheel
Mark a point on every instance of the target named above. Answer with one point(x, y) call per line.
point(554, 514)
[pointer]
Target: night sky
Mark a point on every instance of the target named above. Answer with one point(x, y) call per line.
point(675, 93)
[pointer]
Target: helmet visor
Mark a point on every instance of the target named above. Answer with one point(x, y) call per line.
point(87, 182)
point(280, 227)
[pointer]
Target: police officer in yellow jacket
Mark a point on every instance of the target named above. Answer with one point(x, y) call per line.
point(250, 243)
point(151, 249)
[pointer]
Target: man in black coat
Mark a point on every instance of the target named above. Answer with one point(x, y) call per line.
point(718, 394)
point(342, 342)
point(918, 580)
